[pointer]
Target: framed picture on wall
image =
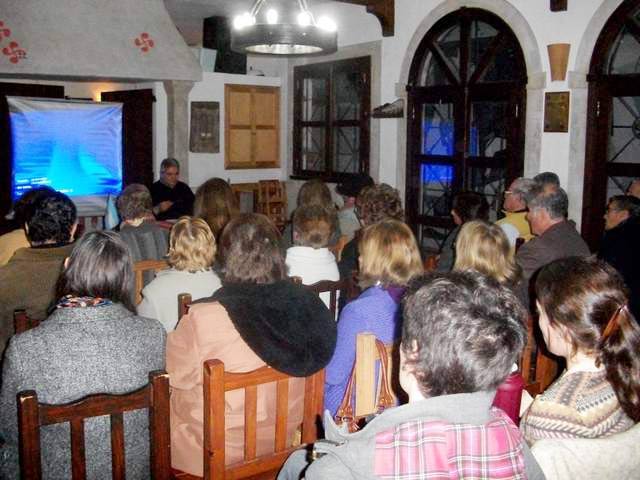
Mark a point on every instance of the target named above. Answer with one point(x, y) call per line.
point(204, 134)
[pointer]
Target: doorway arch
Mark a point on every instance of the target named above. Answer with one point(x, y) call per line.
point(613, 117)
point(466, 118)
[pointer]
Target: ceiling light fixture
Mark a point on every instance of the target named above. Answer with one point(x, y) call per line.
point(296, 34)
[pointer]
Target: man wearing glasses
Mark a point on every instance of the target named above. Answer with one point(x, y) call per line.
point(515, 224)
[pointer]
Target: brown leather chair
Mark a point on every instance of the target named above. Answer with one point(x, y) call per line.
point(154, 396)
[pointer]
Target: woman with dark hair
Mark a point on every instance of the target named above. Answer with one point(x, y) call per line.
point(92, 343)
point(258, 317)
point(585, 318)
point(215, 203)
point(467, 206)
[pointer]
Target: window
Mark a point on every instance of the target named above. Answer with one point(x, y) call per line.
point(465, 119)
point(331, 119)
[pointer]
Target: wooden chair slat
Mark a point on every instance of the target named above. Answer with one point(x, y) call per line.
point(117, 447)
point(94, 406)
point(184, 301)
point(282, 408)
point(235, 381)
point(333, 288)
point(214, 421)
point(78, 460)
point(29, 436)
point(250, 421)
point(159, 428)
point(139, 269)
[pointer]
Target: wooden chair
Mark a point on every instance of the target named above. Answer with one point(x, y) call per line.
point(334, 289)
point(272, 201)
point(431, 263)
point(184, 302)
point(367, 386)
point(140, 268)
point(339, 246)
point(217, 382)
point(538, 367)
point(22, 322)
point(154, 396)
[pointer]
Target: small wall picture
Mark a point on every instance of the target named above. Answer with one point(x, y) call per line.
point(204, 135)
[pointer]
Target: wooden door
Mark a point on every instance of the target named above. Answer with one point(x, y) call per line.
point(137, 134)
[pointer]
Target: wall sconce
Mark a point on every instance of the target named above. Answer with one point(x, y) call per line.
point(558, 60)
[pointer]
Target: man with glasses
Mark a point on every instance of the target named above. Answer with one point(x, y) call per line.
point(515, 224)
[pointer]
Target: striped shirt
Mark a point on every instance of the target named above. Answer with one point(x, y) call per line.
point(580, 404)
point(444, 450)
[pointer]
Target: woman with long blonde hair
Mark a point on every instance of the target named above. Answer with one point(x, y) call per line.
point(389, 258)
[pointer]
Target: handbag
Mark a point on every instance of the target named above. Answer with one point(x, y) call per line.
point(345, 414)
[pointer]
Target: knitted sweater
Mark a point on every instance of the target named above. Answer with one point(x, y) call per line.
point(374, 311)
point(580, 404)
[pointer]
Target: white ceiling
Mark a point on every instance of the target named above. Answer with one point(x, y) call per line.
point(188, 14)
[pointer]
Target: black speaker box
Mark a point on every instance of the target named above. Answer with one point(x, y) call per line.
point(216, 34)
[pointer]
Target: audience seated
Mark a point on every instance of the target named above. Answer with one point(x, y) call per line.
point(22, 210)
point(467, 206)
point(620, 246)
point(309, 258)
point(28, 280)
point(389, 258)
point(584, 318)
point(258, 317)
point(515, 223)
point(215, 203)
point(461, 334)
point(192, 249)
point(374, 204)
point(139, 230)
point(92, 343)
point(171, 197)
point(484, 247)
point(313, 192)
point(349, 191)
point(555, 236)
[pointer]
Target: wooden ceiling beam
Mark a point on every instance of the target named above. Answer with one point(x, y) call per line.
point(384, 10)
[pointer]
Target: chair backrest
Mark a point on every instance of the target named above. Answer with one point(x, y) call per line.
point(217, 382)
point(184, 302)
point(154, 396)
point(272, 201)
point(139, 269)
point(431, 263)
point(22, 322)
point(334, 289)
point(339, 246)
point(538, 367)
point(367, 386)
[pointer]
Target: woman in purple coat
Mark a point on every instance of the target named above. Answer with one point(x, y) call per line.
point(389, 258)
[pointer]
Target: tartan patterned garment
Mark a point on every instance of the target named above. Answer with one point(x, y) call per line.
point(443, 450)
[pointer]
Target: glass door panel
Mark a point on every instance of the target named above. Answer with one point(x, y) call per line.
point(624, 136)
point(435, 201)
point(437, 129)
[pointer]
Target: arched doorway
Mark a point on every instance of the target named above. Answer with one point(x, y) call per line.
point(465, 127)
point(613, 124)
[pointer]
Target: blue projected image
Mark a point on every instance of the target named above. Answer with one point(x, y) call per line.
point(73, 147)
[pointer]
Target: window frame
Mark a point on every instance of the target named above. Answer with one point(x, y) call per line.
point(327, 70)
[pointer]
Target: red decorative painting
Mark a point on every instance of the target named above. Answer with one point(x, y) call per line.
point(14, 52)
point(144, 42)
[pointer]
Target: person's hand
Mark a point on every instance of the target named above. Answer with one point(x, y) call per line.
point(164, 206)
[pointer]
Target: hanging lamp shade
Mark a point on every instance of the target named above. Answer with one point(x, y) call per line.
point(304, 36)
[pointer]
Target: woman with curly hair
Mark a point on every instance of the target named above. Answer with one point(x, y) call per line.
point(585, 318)
point(375, 203)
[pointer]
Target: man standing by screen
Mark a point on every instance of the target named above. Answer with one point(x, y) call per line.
point(171, 197)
